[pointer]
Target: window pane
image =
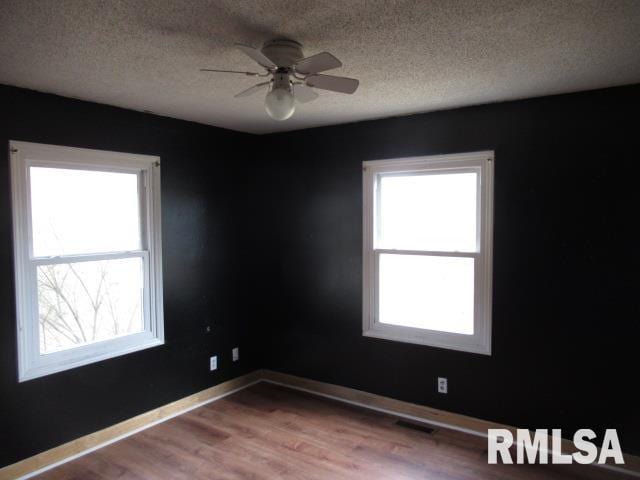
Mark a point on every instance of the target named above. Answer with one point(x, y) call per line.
point(434, 293)
point(83, 211)
point(428, 212)
point(86, 302)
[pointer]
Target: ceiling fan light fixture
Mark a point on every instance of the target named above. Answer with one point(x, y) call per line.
point(283, 61)
point(280, 101)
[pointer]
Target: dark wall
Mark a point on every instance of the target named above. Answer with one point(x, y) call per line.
point(566, 308)
point(201, 215)
point(268, 252)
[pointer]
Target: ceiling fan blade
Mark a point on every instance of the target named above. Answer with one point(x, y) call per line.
point(251, 90)
point(257, 56)
point(335, 84)
point(253, 74)
point(304, 93)
point(317, 63)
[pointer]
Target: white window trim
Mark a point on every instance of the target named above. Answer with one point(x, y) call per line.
point(24, 155)
point(481, 162)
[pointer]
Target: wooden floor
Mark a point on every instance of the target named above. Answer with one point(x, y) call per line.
point(270, 432)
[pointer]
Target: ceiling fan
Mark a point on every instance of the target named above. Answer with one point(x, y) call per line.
point(291, 76)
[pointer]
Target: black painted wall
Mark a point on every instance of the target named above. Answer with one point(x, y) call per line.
point(202, 262)
point(566, 308)
point(262, 240)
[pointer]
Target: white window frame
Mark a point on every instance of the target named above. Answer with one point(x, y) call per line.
point(32, 364)
point(479, 162)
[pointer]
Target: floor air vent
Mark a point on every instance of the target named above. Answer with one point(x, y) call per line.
point(420, 427)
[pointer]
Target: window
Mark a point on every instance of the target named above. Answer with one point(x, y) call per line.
point(87, 255)
point(427, 250)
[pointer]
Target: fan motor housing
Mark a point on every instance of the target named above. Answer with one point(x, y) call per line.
point(283, 52)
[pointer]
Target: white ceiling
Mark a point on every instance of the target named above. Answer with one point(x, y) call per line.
point(410, 56)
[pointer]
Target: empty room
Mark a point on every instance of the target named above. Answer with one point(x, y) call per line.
point(319, 239)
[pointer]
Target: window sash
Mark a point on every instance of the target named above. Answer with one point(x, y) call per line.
point(422, 332)
point(432, 170)
point(478, 162)
point(71, 165)
point(25, 155)
point(86, 350)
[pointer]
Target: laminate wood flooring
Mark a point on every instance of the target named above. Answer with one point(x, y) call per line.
point(272, 432)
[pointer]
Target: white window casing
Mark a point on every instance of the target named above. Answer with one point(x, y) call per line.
point(24, 155)
point(480, 163)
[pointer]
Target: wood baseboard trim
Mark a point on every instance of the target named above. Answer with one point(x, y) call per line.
point(421, 413)
point(382, 404)
point(66, 452)
point(49, 459)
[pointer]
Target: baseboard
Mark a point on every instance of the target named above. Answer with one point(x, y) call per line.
point(51, 458)
point(68, 451)
point(433, 416)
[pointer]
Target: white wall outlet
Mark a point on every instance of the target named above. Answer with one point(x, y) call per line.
point(442, 385)
point(213, 363)
point(235, 354)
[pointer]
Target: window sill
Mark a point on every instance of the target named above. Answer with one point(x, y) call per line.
point(31, 372)
point(400, 335)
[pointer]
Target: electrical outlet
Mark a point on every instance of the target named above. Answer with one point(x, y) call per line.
point(213, 363)
point(442, 385)
point(235, 354)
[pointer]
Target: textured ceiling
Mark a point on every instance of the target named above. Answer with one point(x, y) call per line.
point(410, 56)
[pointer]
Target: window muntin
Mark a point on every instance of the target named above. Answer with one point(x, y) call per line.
point(87, 255)
point(427, 250)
